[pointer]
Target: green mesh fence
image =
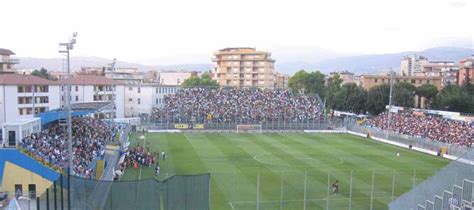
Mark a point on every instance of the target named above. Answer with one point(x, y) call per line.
point(174, 193)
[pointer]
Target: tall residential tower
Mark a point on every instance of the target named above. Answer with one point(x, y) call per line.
point(244, 67)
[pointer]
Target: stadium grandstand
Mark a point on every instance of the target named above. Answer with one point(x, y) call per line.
point(225, 148)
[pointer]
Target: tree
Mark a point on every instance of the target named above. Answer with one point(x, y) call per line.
point(403, 95)
point(333, 87)
point(427, 91)
point(469, 87)
point(351, 98)
point(377, 98)
point(298, 81)
point(310, 83)
point(315, 83)
point(454, 98)
point(204, 80)
point(43, 73)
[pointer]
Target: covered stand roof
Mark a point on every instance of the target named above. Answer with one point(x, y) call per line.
point(78, 109)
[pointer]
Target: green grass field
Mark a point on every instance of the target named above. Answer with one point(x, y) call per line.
point(282, 164)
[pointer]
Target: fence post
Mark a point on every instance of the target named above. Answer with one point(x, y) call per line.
point(281, 191)
point(47, 198)
point(69, 189)
point(233, 187)
point(305, 181)
point(258, 189)
point(329, 186)
point(62, 186)
point(54, 194)
point(350, 191)
point(393, 185)
point(372, 191)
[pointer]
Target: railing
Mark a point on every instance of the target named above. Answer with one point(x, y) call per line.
point(10, 61)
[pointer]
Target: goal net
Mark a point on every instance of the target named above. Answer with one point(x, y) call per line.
point(249, 128)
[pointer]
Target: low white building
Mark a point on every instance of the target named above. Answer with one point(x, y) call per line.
point(14, 132)
point(21, 94)
point(17, 92)
point(174, 77)
point(142, 98)
point(94, 88)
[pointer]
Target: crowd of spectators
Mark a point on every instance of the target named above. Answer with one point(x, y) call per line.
point(237, 105)
point(139, 156)
point(427, 126)
point(89, 135)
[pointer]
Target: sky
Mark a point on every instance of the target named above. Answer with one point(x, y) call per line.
point(188, 31)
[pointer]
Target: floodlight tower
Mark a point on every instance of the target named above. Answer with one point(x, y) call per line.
point(389, 114)
point(66, 47)
point(114, 115)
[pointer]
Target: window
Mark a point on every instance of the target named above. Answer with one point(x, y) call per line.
point(138, 89)
point(130, 88)
point(375, 80)
point(156, 90)
point(130, 99)
point(77, 88)
point(156, 101)
point(32, 190)
point(178, 81)
point(138, 101)
point(42, 100)
point(77, 97)
point(413, 81)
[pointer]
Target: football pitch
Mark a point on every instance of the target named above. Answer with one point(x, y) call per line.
point(290, 170)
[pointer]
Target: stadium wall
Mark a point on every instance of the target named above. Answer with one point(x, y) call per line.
point(17, 168)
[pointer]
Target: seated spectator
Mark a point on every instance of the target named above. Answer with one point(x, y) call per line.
point(90, 136)
point(237, 105)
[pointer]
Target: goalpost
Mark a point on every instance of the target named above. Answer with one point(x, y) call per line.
point(249, 128)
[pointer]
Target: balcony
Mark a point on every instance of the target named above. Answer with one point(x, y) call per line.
point(10, 61)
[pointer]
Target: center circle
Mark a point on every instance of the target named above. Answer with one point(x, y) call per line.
point(289, 159)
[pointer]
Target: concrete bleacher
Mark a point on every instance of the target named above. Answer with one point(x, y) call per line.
point(458, 198)
point(451, 185)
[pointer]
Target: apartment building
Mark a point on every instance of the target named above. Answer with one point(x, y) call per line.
point(142, 98)
point(281, 80)
point(412, 64)
point(345, 76)
point(244, 67)
point(466, 71)
point(87, 88)
point(369, 81)
point(21, 95)
point(6, 62)
point(447, 70)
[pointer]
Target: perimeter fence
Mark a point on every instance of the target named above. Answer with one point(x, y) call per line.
point(361, 189)
point(174, 193)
